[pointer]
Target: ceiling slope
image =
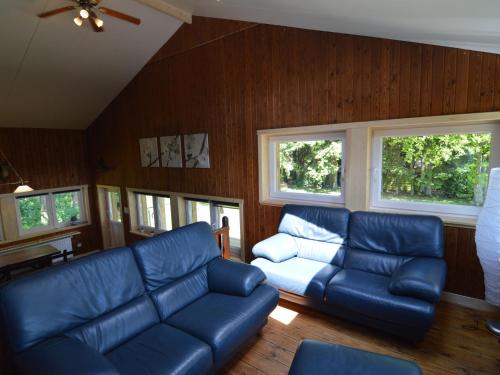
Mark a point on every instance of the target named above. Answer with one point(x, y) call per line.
point(56, 75)
point(469, 24)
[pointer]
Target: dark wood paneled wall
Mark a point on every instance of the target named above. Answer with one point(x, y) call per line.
point(231, 78)
point(51, 159)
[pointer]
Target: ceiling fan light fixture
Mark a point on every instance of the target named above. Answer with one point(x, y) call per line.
point(78, 21)
point(84, 13)
point(99, 23)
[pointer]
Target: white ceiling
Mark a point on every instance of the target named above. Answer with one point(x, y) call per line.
point(469, 24)
point(56, 75)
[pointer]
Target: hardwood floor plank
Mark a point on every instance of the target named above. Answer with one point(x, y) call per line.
point(458, 342)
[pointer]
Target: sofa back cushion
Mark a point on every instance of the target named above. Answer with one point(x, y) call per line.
point(319, 232)
point(320, 251)
point(55, 301)
point(374, 262)
point(315, 223)
point(169, 256)
point(110, 330)
point(380, 242)
point(407, 235)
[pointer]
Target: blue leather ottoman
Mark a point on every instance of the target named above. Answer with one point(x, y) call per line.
point(315, 357)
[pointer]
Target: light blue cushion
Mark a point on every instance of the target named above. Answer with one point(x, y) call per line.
point(315, 223)
point(277, 248)
point(320, 251)
point(298, 275)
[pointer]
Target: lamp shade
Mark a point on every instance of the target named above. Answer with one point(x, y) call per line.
point(488, 239)
point(23, 189)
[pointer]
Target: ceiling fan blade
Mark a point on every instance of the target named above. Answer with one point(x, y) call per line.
point(56, 11)
point(93, 23)
point(122, 16)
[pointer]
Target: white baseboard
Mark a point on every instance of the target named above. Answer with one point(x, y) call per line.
point(473, 303)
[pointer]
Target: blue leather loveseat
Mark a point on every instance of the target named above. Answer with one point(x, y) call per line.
point(382, 270)
point(167, 305)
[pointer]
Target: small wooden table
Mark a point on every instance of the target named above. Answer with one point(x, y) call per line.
point(33, 256)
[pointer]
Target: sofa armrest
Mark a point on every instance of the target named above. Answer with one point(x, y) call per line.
point(62, 356)
point(277, 248)
point(239, 279)
point(420, 278)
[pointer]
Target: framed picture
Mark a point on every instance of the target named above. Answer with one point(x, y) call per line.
point(149, 152)
point(170, 149)
point(196, 150)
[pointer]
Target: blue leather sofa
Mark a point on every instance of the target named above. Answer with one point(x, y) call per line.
point(382, 270)
point(167, 305)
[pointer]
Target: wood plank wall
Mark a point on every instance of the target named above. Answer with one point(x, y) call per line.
point(50, 159)
point(231, 79)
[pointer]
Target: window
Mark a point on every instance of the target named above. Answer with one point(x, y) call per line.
point(307, 167)
point(153, 212)
point(68, 207)
point(440, 170)
point(50, 210)
point(114, 205)
point(232, 212)
point(212, 212)
point(198, 210)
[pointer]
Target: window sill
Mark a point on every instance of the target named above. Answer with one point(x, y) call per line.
point(146, 234)
point(279, 202)
point(448, 219)
point(43, 234)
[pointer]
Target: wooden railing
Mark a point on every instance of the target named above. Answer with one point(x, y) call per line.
point(222, 238)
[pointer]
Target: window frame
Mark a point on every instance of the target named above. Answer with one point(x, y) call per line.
point(156, 212)
point(273, 179)
point(457, 210)
point(83, 214)
point(51, 208)
point(110, 209)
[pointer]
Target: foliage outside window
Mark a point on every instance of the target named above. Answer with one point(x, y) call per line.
point(434, 172)
point(34, 212)
point(307, 167)
point(67, 207)
point(55, 209)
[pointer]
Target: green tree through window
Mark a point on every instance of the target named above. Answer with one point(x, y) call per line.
point(33, 212)
point(67, 205)
point(449, 169)
point(310, 166)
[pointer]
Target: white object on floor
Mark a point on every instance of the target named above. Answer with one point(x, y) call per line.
point(488, 239)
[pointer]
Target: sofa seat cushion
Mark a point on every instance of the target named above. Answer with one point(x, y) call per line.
point(298, 275)
point(367, 294)
point(226, 322)
point(162, 350)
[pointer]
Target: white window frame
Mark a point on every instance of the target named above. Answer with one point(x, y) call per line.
point(53, 225)
point(139, 219)
point(2, 238)
point(273, 178)
point(421, 207)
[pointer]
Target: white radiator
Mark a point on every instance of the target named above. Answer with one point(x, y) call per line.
point(61, 245)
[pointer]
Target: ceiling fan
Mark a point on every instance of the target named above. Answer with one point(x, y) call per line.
point(87, 10)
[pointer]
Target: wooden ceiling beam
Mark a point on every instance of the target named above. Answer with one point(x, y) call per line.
point(167, 8)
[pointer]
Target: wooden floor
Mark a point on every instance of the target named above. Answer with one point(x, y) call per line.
point(458, 342)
